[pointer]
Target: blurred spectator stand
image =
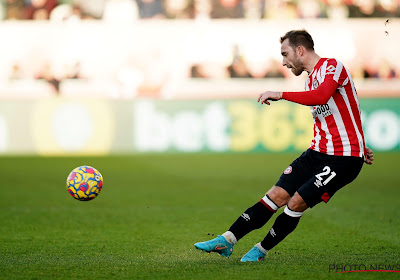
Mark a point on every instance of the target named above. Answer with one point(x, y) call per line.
point(151, 9)
point(39, 9)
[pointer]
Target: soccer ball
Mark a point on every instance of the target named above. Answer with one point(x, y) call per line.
point(84, 183)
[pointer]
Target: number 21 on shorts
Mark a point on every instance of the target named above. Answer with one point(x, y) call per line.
point(322, 180)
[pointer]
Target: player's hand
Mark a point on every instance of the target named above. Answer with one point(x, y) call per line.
point(269, 95)
point(370, 156)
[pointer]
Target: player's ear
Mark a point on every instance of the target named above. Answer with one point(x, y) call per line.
point(300, 50)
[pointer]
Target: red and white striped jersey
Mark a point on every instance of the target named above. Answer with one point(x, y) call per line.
point(337, 124)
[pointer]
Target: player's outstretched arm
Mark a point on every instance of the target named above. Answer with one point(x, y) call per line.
point(319, 96)
point(370, 156)
point(269, 95)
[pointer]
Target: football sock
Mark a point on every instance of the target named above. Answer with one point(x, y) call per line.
point(230, 237)
point(253, 218)
point(284, 224)
point(258, 245)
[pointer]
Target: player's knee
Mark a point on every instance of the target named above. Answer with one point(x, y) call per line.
point(296, 203)
point(278, 195)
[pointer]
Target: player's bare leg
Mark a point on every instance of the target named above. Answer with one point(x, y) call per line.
point(279, 196)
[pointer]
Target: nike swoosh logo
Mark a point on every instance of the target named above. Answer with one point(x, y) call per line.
point(220, 248)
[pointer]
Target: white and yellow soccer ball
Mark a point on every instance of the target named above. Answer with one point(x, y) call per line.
point(84, 183)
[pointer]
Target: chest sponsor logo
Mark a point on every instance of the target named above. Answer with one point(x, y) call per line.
point(321, 110)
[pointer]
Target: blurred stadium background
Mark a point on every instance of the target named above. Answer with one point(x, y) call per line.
point(132, 76)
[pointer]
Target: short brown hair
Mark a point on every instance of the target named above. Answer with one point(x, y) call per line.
point(299, 38)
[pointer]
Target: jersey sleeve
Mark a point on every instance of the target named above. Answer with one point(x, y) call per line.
point(335, 71)
point(319, 96)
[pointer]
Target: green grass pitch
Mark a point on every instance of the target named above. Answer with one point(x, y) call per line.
point(153, 208)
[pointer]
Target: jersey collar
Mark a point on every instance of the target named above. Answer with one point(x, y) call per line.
point(318, 65)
